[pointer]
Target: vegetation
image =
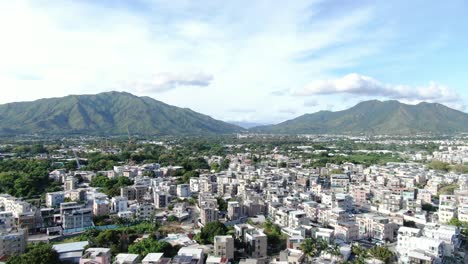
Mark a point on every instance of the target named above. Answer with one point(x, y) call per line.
point(357, 158)
point(461, 224)
point(429, 207)
point(439, 165)
point(379, 252)
point(314, 247)
point(152, 245)
point(222, 204)
point(275, 238)
point(106, 113)
point(39, 254)
point(375, 117)
point(447, 189)
point(172, 218)
point(209, 231)
point(26, 178)
point(111, 187)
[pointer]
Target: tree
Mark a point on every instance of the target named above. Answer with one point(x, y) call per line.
point(381, 253)
point(439, 165)
point(460, 224)
point(411, 224)
point(358, 250)
point(39, 254)
point(151, 245)
point(429, 207)
point(207, 233)
point(308, 247)
point(172, 218)
point(333, 250)
point(222, 204)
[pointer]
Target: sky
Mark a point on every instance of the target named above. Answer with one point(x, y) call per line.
point(252, 61)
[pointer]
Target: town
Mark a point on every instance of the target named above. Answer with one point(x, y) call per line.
point(245, 199)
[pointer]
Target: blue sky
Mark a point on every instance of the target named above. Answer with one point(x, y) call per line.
point(257, 61)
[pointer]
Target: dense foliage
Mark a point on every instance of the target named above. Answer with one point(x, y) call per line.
point(111, 113)
point(275, 238)
point(26, 178)
point(375, 117)
point(381, 253)
point(111, 187)
point(462, 225)
point(314, 247)
point(152, 245)
point(39, 254)
point(209, 231)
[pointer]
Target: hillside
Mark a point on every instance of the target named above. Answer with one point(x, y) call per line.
point(109, 113)
point(376, 117)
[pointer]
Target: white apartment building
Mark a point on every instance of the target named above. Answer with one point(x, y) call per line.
point(77, 218)
point(235, 211)
point(13, 243)
point(447, 208)
point(255, 243)
point(376, 227)
point(14, 205)
point(119, 204)
point(54, 199)
point(6, 221)
point(183, 190)
point(224, 246)
point(297, 218)
point(194, 185)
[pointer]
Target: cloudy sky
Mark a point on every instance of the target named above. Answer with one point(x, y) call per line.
point(257, 61)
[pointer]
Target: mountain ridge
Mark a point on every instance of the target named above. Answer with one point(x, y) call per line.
point(106, 113)
point(376, 117)
point(113, 113)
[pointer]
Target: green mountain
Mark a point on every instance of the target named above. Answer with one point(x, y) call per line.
point(109, 113)
point(376, 117)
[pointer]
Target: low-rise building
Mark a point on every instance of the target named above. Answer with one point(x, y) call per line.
point(96, 256)
point(13, 242)
point(224, 246)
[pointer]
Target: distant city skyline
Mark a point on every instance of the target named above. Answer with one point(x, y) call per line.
point(244, 61)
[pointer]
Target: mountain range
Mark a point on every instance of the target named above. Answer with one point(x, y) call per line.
point(119, 113)
point(110, 113)
point(376, 117)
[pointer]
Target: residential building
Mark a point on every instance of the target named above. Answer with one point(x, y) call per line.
point(13, 242)
point(96, 256)
point(224, 246)
point(124, 258)
point(54, 199)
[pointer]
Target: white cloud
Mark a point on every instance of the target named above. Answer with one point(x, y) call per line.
point(162, 82)
point(93, 46)
point(242, 110)
point(311, 103)
point(288, 111)
point(355, 84)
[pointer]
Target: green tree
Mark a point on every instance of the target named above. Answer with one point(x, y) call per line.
point(439, 165)
point(222, 204)
point(172, 218)
point(308, 246)
point(151, 245)
point(333, 250)
point(209, 231)
point(382, 253)
point(39, 254)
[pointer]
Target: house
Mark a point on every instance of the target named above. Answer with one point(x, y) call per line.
point(96, 256)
